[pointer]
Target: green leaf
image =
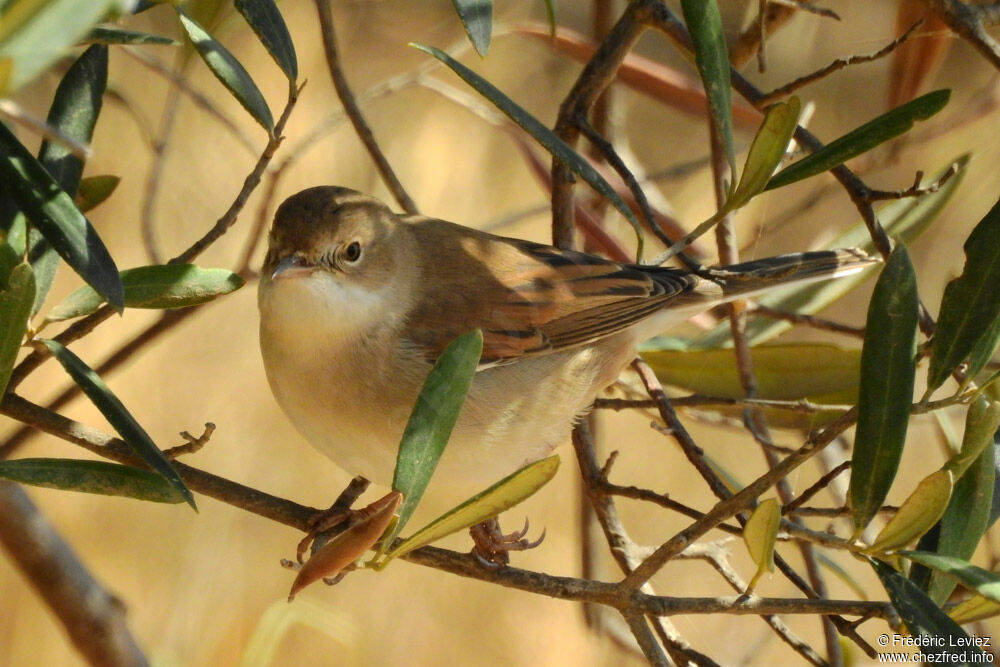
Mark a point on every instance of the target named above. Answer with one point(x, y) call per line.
point(976, 608)
point(154, 287)
point(705, 25)
point(543, 135)
point(886, 390)
point(265, 20)
point(500, 497)
point(109, 34)
point(433, 417)
point(904, 219)
point(921, 616)
point(94, 190)
point(971, 303)
point(42, 31)
point(982, 352)
point(550, 15)
point(16, 298)
point(760, 534)
point(981, 425)
point(100, 477)
point(54, 214)
point(477, 19)
point(766, 151)
point(118, 416)
point(229, 71)
point(965, 521)
point(918, 513)
point(887, 126)
point(981, 581)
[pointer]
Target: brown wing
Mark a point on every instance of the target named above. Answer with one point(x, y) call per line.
point(528, 298)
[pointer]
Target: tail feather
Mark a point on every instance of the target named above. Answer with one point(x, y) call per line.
point(749, 278)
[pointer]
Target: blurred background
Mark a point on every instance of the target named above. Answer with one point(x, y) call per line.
point(207, 588)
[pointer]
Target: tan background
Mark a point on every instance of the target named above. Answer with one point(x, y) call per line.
point(206, 588)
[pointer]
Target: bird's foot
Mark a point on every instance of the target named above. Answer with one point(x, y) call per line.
point(492, 547)
point(327, 524)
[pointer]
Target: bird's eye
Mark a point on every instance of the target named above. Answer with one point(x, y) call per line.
point(352, 252)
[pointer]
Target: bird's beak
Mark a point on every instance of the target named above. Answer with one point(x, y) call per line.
point(291, 266)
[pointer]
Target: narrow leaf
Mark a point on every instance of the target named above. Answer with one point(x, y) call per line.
point(433, 417)
point(760, 534)
point(705, 25)
point(864, 138)
point(921, 616)
point(971, 302)
point(118, 416)
point(976, 608)
point(766, 151)
point(918, 513)
point(981, 581)
point(981, 425)
point(154, 287)
point(543, 135)
point(229, 71)
point(54, 214)
point(500, 497)
point(100, 477)
point(94, 190)
point(886, 389)
point(965, 521)
point(109, 34)
point(75, 108)
point(265, 20)
point(477, 19)
point(16, 298)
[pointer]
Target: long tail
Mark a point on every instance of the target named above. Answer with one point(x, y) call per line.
point(761, 275)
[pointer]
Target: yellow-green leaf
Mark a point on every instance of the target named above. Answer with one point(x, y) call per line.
point(15, 308)
point(917, 514)
point(760, 534)
point(93, 190)
point(976, 608)
point(503, 495)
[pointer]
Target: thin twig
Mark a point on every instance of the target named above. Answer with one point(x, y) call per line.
point(354, 112)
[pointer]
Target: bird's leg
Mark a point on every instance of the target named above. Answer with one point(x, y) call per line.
point(337, 518)
point(493, 547)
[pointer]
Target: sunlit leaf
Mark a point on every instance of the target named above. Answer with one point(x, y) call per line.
point(862, 139)
point(265, 20)
point(886, 389)
point(100, 477)
point(921, 616)
point(16, 298)
point(54, 214)
point(94, 190)
point(904, 219)
point(477, 19)
point(229, 71)
point(976, 608)
point(433, 417)
point(918, 513)
point(543, 135)
point(500, 497)
point(35, 36)
point(981, 581)
point(766, 151)
point(760, 534)
point(704, 23)
point(981, 425)
point(349, 545)
point(118, 416)
point(155, 287)
point(971, 302)
point(110, 34)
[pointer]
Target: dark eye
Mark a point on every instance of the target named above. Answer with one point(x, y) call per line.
point(352, 252)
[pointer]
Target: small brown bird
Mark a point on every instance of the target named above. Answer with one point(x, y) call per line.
point(356, 302)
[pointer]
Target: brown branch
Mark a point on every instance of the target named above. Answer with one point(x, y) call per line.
point(967, 21)
point(93, 618)
point(839, 64)
point(354, 112)
point(807, 320)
